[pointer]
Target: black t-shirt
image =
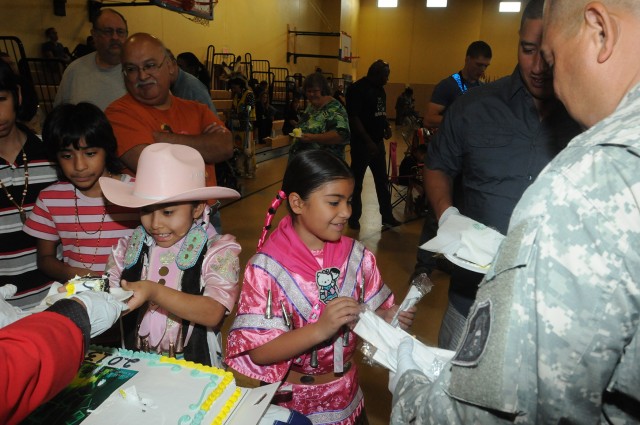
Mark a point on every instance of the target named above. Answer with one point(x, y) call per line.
point(368, 102)
point(449, 90)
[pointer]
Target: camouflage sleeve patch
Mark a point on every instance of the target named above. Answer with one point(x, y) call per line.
point(475, 341)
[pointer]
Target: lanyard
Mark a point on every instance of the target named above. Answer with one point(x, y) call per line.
point(461, 84)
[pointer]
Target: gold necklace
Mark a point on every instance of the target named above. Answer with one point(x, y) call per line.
point(99, 231)
point(20, 207)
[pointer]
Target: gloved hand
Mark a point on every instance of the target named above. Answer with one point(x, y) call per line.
point(405, 362)
point(446, 214)
point(103, 309)
point(8, 313)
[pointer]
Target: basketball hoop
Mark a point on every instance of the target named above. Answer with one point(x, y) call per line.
point(196, 19)
point(198, 11)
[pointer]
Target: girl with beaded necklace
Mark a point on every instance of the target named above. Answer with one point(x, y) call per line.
point(302, 292)
point(72, 212)
point(184, 275)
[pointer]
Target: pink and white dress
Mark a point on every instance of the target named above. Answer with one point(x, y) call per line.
point(218, 280)
point(300, 279)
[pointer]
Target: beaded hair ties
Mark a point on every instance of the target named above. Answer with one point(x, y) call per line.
point(270, 213)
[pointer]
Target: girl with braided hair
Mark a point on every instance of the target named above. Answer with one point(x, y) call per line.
point(302, 293)
point(184, 275)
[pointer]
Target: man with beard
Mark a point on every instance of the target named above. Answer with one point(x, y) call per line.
point(498, 136)
point(97, 77)
point(149, 113)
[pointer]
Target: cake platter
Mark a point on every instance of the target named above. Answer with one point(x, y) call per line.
point(118, 293)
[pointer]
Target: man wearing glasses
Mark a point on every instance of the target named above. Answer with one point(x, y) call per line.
point(149, 113)
point(97, 77)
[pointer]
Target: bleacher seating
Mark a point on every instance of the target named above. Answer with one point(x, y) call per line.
point(282, 87)
point(13, 47)
point(223, 103)
point(277, 127)
point(278, 141)
point(216, 62)
point(45, 75)
point(280, 95)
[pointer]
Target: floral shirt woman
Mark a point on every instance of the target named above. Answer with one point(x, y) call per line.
point(324, 123)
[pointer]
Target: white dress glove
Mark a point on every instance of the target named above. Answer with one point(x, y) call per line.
point(8, 313)
point(103, 309)
point(446, 214)
point(405, 362)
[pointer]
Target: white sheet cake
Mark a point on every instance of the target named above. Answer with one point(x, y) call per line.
point(116, 386)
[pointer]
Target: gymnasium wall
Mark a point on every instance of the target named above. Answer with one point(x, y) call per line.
point(422, 45)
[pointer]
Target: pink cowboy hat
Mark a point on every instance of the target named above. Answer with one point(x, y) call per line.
point(166, 173)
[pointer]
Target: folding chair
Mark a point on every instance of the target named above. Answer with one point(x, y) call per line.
point(405, 184)
point(398, 191)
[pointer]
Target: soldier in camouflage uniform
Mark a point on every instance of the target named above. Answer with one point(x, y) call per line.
point(553, 336)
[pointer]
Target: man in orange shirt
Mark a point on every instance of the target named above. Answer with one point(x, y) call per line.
point(149, 113)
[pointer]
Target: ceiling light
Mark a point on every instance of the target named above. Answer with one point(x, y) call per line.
point(509, 6)
point(436, 3)
point(387, 3)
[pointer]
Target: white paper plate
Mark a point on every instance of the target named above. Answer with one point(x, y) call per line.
point(467, 264)
point(118, 293)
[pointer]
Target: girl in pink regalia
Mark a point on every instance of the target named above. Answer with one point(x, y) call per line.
point(302, 292)
point(183, 274)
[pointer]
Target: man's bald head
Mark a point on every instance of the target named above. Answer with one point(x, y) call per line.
point(569, 12)
point(148, 70)
point(592, 47)
point(139, 39)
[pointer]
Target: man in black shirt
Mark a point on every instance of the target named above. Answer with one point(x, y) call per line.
point(498, 137)
point(367, 109)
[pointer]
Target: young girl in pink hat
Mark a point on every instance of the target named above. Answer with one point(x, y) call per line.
point(302, 291)
point(184, 275)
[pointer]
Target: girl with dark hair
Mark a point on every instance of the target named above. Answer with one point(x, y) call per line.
point(24, 171)
point(324, 124)
point(184, 275)
point(302, 293)
point(72, 212)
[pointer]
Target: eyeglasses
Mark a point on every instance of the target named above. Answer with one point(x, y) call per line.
point(110, 31)
point(151, 68)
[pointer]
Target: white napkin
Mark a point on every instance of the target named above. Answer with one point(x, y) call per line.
point(479, 245)
point(386, 339)
point(8, 313)
point(464, 240)
point(42, 306)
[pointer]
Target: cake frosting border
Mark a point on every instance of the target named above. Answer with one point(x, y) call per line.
point(202, 407)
